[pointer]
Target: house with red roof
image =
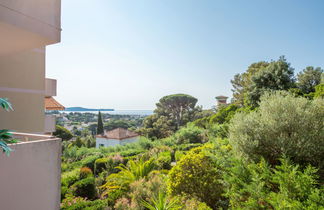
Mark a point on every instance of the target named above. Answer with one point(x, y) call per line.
point(118, 136)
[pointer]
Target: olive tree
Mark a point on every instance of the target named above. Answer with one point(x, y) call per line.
point(282, 125)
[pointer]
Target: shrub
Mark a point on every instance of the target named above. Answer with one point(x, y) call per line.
point(257, 186)
point(224, 114)
point(78, 203)
point(131, 152)
point(190, 134)
point(62, 133)
point(69, 178)
point(283, 125)
point(187, 147)
point(85, 188)
point(64, 191)
point(100, 165)
point(194, 204)
point(134, 170)
point(145, 143)
point(145, 189)
point(163, 160)
point(179, 154)
point(218, 130)
point(197, 175)
point(90, 161)
point(85, 172)
point(319, 91)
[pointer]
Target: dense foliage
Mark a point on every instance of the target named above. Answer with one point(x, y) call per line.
point(172, 112)
point(264, 151)
point(62, 133)
point(100, 128)
point(283, 125)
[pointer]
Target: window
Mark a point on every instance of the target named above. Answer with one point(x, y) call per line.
point(101, 145)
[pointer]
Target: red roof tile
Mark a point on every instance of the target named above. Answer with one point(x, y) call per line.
point(120, 134)
point(52, 104)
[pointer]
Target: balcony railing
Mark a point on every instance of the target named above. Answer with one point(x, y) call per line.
point(30, 175)
point(28, 137)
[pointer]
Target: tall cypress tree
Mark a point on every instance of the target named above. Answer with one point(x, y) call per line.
point(100, 128)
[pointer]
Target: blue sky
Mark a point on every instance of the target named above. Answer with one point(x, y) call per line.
point(126, 54)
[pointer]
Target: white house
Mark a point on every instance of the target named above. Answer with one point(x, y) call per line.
point(118, 136)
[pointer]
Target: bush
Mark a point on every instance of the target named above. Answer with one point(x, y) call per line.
point(319, 91)
point(79, 203)
point(257, 186)
point(85, 172)
point(283, 125)
point(163, 160)
point(218, 130)
point(69, 178)
point(194, 204)
point(131, 152)
point(145, 143)
point(100, 165)
point(62, 133)
point(90, 161)
point(143, 190)
point(224, 114)
point(178, 155)
point(190, 134)
point(85, 188)
point(197, 175)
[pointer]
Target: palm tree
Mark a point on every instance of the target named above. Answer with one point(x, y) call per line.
point(161, 203)
point(134, 170)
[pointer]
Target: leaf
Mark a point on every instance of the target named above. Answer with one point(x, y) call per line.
point(5, 104)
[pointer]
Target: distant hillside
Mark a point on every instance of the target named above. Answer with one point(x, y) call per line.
point(81, 109)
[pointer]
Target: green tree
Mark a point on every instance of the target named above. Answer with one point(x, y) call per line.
point(155, 126)
point(62, 133)
point(242, 82)
point(100, 128)
point(282, 125)
point(278, 75)
point(309, 78)
point(172, 112)
point(112, 124)
point(180, 108)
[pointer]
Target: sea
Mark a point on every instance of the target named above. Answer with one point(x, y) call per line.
point(120, 112)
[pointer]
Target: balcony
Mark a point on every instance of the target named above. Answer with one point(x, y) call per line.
point(50, 121)
point(31, 174)
point(28, 24)
point(50, 87)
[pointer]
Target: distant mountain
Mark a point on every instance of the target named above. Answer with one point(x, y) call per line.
point(81, 109)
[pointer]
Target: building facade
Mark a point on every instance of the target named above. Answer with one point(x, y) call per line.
point(26, 28)
point(30, 176)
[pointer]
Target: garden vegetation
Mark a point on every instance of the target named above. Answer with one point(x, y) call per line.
point(263, 151)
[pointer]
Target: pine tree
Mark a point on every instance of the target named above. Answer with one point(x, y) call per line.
point(100, 128)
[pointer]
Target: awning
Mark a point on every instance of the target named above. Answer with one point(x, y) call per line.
point(52, 104)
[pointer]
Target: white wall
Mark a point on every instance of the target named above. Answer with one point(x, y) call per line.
point(30, 176)
point(114, 142)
